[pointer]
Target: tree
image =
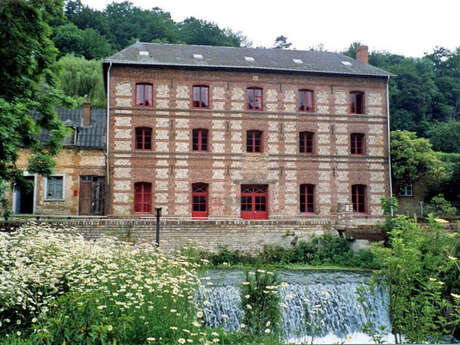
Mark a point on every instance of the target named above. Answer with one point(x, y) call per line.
point(445, 136)
point(80, 77)
point(282, 43)
point(27, 82)
point(413, 158)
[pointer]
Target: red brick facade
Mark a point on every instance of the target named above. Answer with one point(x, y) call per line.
point(172, 166)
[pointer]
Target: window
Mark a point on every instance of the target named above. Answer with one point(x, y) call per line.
point(199, 200)
point(357, 102)
point(406, 190)
point(55, 188)
point(254, 98)
point(200, 140)
point(306, 142)
point(254, 141)
point(306, 101)
point(200, 96)
point(144, 95)
point(143, 138)
point(307, 198)
point(357, 143)
point(143, 197)
point(358, 197)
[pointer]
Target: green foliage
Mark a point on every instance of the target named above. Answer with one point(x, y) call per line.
point(423, 279)
point(281, 42)
point(260, 302)
point(445, 136)
point(80, 77)
point(412, 158)
point(440, 207)
point(28, 82)
point(320, 250)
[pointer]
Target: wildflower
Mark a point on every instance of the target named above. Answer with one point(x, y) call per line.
point(215, 340)
point(186, 331)
point(181, 341)
point(18, 322)
point(267, 331)
point(110, 328)
point(441, 221)
point(199, 314)
point(224, 316)
point(173, 328)
point(196, 324)
point(454, 295)
point(261, 270)
point(173, 311)
point(267, 324)
point(189, 341)
point(284, 284)
point(247, 296)
point(249, 306)
point(324, 293)
point(451, 258)
point(149, 339)
point(215, 334)
point(242, 325)
point(245, 283)
point(349, 337)
point(432, 279)
point(18, 333)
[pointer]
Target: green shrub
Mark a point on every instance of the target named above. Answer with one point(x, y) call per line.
point(440, 207)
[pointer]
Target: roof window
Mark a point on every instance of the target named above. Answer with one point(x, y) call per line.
point(198, 56)
point(346, 63)
point(143, 53)
point(249, 59)
point(297, 61)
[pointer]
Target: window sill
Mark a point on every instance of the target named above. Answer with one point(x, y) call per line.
point(54, 200)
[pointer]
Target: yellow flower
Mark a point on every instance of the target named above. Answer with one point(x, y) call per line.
point(249, 306)
point(349, 337)
point(245, 283)
point(199, 314)
point(284, 284)
point(242, 325)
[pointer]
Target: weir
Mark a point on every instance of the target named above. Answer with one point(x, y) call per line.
point(319, 307)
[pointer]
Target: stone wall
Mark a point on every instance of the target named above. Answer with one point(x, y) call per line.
point(172, 166)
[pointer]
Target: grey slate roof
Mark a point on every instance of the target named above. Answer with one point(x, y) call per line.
point(178, 55)
point(92, 137)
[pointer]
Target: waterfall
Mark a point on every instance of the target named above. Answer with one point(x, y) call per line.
point(316, 306)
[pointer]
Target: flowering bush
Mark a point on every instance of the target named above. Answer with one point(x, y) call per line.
point(260, 302)
point(64, 289)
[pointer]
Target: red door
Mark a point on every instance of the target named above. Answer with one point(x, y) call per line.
point(254, 203)
point(199, 200)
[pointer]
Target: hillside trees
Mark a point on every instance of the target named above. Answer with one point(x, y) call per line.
point(28, 81)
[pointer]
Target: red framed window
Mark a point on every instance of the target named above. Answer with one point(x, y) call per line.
point(200, 96)
point(358, 197)
point(254, 201)
point(143, 138)
point(254, 141)
point(306, 101)
point(200, 140)
point(143, 197)
point(357, 102)
point(144, 96)
point(199, 200)
point(306, 142)
point(254, 98)
point(307, 198)
point(357, 143)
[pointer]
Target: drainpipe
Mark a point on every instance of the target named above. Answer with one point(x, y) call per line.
point(388, 140)
point(107, 170)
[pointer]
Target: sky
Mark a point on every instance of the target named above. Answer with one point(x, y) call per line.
point(406, 27)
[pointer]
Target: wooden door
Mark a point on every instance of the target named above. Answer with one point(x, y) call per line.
point(91, 195)
point(254, 201)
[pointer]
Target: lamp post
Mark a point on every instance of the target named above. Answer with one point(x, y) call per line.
point(157, 238)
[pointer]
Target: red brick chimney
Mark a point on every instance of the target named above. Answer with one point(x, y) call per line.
point(362, 54)
point(86, 113)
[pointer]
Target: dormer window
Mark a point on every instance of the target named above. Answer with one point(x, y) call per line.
point(144, 96)
point(357, 102)
point(249, 59)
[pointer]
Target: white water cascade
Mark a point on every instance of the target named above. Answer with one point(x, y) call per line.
point(317, 307)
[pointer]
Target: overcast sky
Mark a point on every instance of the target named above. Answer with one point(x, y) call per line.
point(407, 27)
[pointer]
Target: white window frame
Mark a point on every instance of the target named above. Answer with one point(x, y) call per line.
point(403, 190)
point(63, 188)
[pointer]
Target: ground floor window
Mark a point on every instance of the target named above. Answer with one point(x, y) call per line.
point(358, 197)
point(254, 201)
point(199, 200)
point(143, 197)
point(55, 188)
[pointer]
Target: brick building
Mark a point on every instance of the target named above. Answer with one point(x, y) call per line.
point(219, 132)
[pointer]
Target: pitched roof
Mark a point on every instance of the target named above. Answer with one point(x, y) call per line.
point(92, 137)
point(257, 59)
